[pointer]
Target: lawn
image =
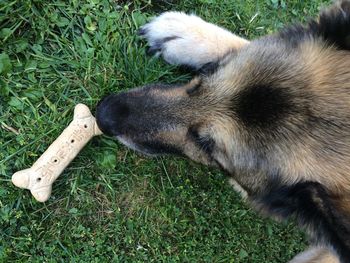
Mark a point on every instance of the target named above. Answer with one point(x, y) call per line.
point(112, 204)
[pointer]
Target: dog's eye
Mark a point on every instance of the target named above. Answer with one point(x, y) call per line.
point(193, 90)
point(205, 143)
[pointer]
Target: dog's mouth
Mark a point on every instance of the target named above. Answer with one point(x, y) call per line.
point(130, 144)
point(136, 147)
point(152, 148)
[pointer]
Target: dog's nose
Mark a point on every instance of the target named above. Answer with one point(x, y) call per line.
point(111, 113)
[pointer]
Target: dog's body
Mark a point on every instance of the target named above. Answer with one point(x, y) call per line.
point(273, 113)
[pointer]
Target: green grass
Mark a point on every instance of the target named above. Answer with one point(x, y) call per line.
point(111, 203)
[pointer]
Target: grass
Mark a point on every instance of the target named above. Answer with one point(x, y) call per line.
point(112, 204)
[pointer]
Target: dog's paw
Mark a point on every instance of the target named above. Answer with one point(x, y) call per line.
point(183, 39)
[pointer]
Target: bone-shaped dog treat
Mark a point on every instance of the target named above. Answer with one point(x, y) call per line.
point(40, 177)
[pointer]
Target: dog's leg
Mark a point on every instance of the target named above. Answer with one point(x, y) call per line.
point(315, 255)
point(188, 40)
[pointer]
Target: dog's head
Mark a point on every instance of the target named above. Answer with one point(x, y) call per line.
point(211, 119)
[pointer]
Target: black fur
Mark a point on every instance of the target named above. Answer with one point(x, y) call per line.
point(294, 35)
point(314, 208)
point(204, 70)
point(262, 106)
point(158, 147)
point(157, 47)
point(209, 68)
point(334, 26)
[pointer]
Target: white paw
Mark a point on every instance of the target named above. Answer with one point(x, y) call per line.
point(187, 39)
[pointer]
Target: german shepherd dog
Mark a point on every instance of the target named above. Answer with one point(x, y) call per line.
point(273, 113)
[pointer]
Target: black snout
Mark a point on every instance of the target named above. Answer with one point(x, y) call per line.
point(112, 113)
point(138, 111)
point(133, 113)
point(141, 117)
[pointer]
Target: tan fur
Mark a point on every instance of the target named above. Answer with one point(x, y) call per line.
point(315, 255)
point(329, 71)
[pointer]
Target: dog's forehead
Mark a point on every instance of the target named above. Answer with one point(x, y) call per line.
point(261, 61)
point(264, 53)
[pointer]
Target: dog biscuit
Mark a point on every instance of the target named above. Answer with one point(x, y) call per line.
point(40, 177)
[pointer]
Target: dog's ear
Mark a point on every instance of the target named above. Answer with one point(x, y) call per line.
point(332, 26)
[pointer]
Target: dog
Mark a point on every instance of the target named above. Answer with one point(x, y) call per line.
point(272, 113)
